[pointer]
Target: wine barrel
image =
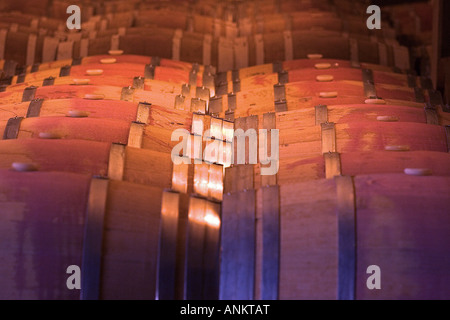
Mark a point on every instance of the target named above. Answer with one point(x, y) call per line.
point(120, 58)
point(364, 136)
point(62, 92)
point(358, 113)
point(303, 169)
point(297, 95)
point(111, 109)
point(297, 44)
point(140, 166)
point(312, 21)
point(169, 100)
point(97, 129)
point(330, 75)
point(410, 18)
point(134, 238)
point(363, 156)
point(309, 70)
point(162, 18)
point(293, 170)
point(29, 48)
point(316, 59)
point(321, 239)
point(49, 235)
point(107, 73)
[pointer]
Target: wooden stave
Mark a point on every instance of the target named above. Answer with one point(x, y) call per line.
point(367, 136)
point(147, 167)
point(127, 43)
point(311, 102)
point(303, 169)
point(133, 69)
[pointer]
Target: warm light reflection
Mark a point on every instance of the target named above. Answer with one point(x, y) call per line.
point(204, 212)
point(201, 178)
point(215, 184)
point(225, 154)
point(180, 177)
point(228, 131)
point(216, 128)
point(212, 220)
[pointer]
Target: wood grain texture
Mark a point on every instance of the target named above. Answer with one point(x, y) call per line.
point(56, 231)
point(402, 225)
point(368, 136)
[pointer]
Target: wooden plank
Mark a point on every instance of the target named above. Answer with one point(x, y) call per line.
point(346, 212)
point(168, 235)
point(202, 255)
point(116, 161)
point(238, 178)
point(237, 266)
point(194, 249)
point(436, 39)
point(270, 243)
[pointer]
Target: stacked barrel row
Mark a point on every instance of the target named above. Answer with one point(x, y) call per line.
point(358, 184)
point(240, 35)
point(131, 163)
point(347, 144)
point(82, 124)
